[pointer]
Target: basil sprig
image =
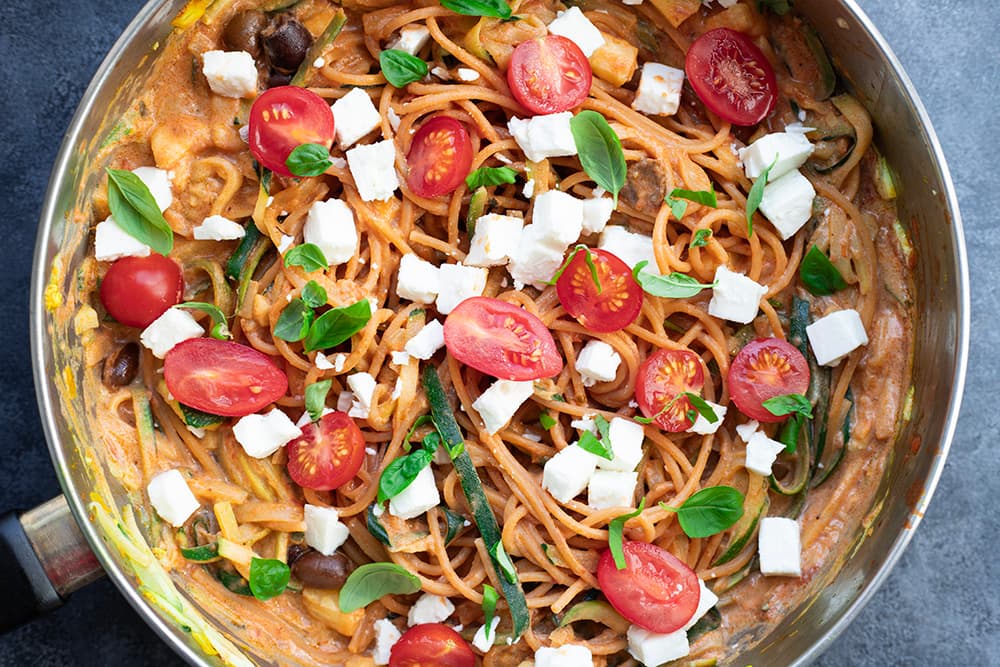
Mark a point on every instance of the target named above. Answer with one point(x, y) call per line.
point(487, 176)
point(819, 275)
point(294, 322)
point(134, 209)
point(220, 329)
point(674, 286)
point(401, 68)
point(757, 194)
point(679, 207)
point(373, 580)
point(316, 398)
point(789, 404)
point(308, 255)
point(497, 9)
point(337, 325)
point(490, 597)
point(588, 258)
point(700, 238)
point(710, 511)
point(599, 446)
point(600, 151)
point(399, 474)
point(313, 294)
point(308, 160)
point(615, 530)
point(268, 577)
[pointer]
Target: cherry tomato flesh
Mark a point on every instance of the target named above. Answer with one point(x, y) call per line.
point(431, 645)
point(763, 369)
point(663, 376)
point(732, 76)
point(614, 306)
point(285, 117)
point(440, 157)
point(549, 74)
point(137, 290)
point(328, 454)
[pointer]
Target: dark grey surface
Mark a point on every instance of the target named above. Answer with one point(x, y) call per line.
point(939, 607)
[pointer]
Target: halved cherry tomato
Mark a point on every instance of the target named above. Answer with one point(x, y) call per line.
point(137, 290)
point(431, 645)
point(222, 377)
point(440, 157)
point(655, 591)
point(501, 340)
point(763, 369)
point(662, 378)
point(549, 74)
point(731, 76)
point(285, 117)
point(614, 307)
point(328, 454)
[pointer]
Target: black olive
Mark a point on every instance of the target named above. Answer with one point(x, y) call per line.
point(121, 367)
point(295, 552)
point(275, 79)
point(315, 570)
point(242, 33)
point(286, 43)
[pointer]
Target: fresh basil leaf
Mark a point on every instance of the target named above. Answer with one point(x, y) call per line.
point(700, 238)
point(294, 322)
point(589, 442)
point(490, 597)
point(600, 151)
point(497, 9)
point(373, 580)
point(703, 197)
point(643, 420)
point(400, 68)
point(308, 256)
point(400, 473)
point(819, 275)
point(674, 286)
point(702, 407)
point(134, 209)
point(268, 577)
point(337, 325)
point(487, 176)
point(431, 441)
point(234, 583)
point(421, 420)
point(789, 404)
point(779, 7)
point(789, 433)
point(546, 420)
point(375, 526)
point(709, 512)
point(219, 329)
point(313, 294)
point(202, 553)
point(456, 522)
point(506, 564)
point(308, 160)
point(677, 207)
point(615, 530)
point(757, 194)
point(316, 398)
point(588, 258)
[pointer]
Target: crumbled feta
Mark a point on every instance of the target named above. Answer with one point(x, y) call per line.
point(363, 387)
point(626, 438)
point(400, 358)
point(746, 431)
point(458, 283)
point(418, 280)
point(533, 261)
point(324, 531)
point(466, 74)
point(498, 404)
point(330, 225)
point(610, 488)
point(792, 149)
point(373, 167)
point(171, 497)
point(481, 641)
point(651, 648)
point(158, 182)
point(706, 600)
point(567, 655)
point(230, 73)
point(597, 362)
point(542, 137)
point(429, 609)
point(354, 116)
point(629, 247)
point(659, 91)
point(412, 37)
point(323, 362)
point(585, 423)
point(285, 243)
point(779, 547)
point(218, 228)
point(788, 202)
point(494, 240)
point(386, 636)
point(529, 188)
point(421, 495)
point(567, 473)
point(702, 426)
point(574, 26)
point(596, 213)
point(836, 335)
point(111, 242)
point(558, 218)
point(441, 73)
point(394, 119)
point(426, 342)
point(735, 297)
point(172, 327)
point(761, 453)
point(263, 435)
point(319, 62)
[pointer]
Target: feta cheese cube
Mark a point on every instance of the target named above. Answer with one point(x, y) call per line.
point(324, 531)
point(626, 438)
point(263, 435)
point(836, 335)
point(467, 75)
point(169, 329)
point(494, 241)
point(788, 202)
point(323, 362)
point(585, 423)
point(330, 225)
point(597, 362)
point(534, 261)
point(629, 247)
point(609, 488)
point(412, 37)
point(596, 213)
point(702, 426)
point(429, 609)
point(111, 242)
point(285, 243)
point(546, 136)
point(218, 228)
point(577, 28)
point(498, 404)
point(418, 280)
point(158, 182)
point(779, 547)
point(735, 297)
point(363, 387)
point(386, 636)
point(421, 495)
point(558, 217)
point(354, 116)
point(791, 148)
point(706, 601)
point(400, 358)
point(567, 655)
point(761, 453)
point(481, 641)
point(659, 92)
point(650, 648)
point(373, 167)
point(230, 73)
point(171, 497)
point(746, 431)
point(567, 473)
point(458, 283)
point(426, 342)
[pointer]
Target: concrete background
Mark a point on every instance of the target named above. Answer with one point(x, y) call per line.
point(940, 605)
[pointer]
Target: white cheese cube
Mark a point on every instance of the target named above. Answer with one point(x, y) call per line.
point(263, 435)
point(354, 116)
point(597, 362)
point(429, 609)
point(285, 243)
point(746, 431)
point(659, 92)
point(567, 473)
point(585, 423)
point(323, 362)
point(596, 213)
point(400, 358)
point(324, 531)
point(111, 242)
point(629, 247)
point(650, 648)
point(458, 283)
point(735, 297)
point(467, 75)
point(534, 261)
point(609, 488)
point(218, 228)
point(417, 280)
point(788, 202)
point(761, 453)
point(791, 148)
point(702, 426)
point(172, 327)
point(426, 342)
point(577, 28)
point(158, 182)
point(498, 404)
point(171, 497)
point(421, 495)
point(834, 336)
point(779, 547)
point(373, 167)
point(230, 73)
point(386, 636)
point(412, 37)
point(363, 387)
point(495, 239)
point(567, 655)
point(558, 217)
point(626, 438)
point(481, 641)
point(330, 225)
point(545, 136)
point(706, 600)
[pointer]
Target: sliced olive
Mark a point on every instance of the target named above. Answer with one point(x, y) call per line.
point(315, 570)
point(286, 43)
point(121, 366)
point(242, 32)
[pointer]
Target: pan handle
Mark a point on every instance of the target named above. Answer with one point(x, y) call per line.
point(43, 558)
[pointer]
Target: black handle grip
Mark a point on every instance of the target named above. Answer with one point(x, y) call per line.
point(27, 591)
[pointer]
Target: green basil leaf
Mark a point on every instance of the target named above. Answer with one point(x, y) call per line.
point(268, 577)
point(294, 321)
point(313, 294)
point(373, 580)
point(819, 275)
point(134, 209)
point(400, 68)
point(702, 407)
point(308, 160)
point(643, 420)
point(600, 151)
point(219, 329)
point(700, 238)
point(589, 442)
point(677, 207)
point(400, 473)
point(202, 553)
point(615, 530)
point(710, 511)
point(431, 441)
point(506, 564)
point(588, 258)
point(316, 398)
point(673, 286)
point(487, 176)
point(490, 597)
point(421, 420)
point(337, 325)
point(456, 522)
point(308, 256)
point(497, 9)
point(375, 527)
point(789, 433)
point(703, 197)
point(789, 404)
point(757, 194)
point(234, 583)
point(546, 420)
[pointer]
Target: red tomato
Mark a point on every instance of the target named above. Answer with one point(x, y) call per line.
point(137, 290)
point(613, 308)
point(549, 74)
point(431, 645)
point(763, 369)
point(655, 590)
point(662, 377)
point(440, 157)
point(222, 377)
point(731, 76)
point(328, 454)
point(285, 117)
point(501, 340)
